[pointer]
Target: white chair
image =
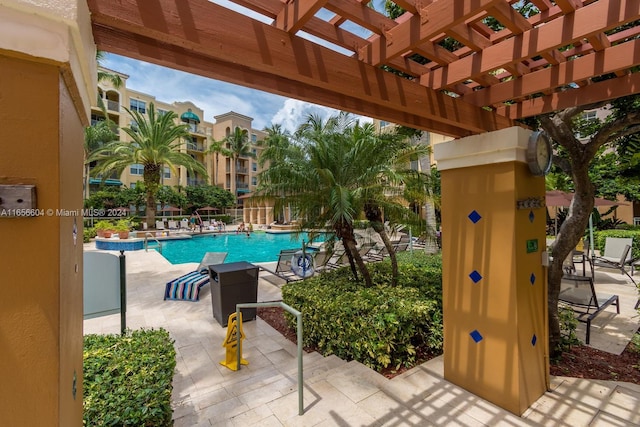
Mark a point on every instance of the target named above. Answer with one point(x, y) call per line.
point(173, 225)
point(159, 225)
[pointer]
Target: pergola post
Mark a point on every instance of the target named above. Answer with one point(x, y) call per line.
point(494, 283)
point(47, 84)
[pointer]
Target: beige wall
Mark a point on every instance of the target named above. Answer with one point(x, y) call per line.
point(41, 304)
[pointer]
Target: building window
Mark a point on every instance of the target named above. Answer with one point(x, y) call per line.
point(139, 106)
point(167, 172)
point(136, 169)
point(133, 185)
point(254, 166)
point(134, 126)
point(161, 112)
point(254, 138)
point(254, 181)
point(589, 115)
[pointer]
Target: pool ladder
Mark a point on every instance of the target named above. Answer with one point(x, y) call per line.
point(146, 243)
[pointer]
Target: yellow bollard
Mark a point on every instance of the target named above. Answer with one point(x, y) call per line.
point(231, 343)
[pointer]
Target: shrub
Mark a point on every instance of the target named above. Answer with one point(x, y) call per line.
point(568, 327)
point(88, 234)
point(128, 379)
point(379, 326)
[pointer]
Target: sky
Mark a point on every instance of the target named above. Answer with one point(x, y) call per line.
point(217, 97)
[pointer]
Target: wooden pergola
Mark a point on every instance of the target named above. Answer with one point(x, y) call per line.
point(456, 67)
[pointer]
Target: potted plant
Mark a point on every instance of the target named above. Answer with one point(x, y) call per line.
point(122, 227)
point(103, 227)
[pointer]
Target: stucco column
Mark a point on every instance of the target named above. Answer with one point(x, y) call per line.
point(494, 283)
point(47, 84)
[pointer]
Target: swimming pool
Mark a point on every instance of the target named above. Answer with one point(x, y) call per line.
point(259, 247)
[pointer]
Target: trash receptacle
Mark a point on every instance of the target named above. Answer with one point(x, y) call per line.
point(231, 284)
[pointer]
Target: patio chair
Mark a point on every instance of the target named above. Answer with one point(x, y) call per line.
point(617, 254)
point(173, 225)
point(159, 225)
point(579, 292)
point(187, 287)
point(184, 224)
point(283, 266)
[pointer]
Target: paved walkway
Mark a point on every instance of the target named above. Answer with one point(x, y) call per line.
point(339, 393)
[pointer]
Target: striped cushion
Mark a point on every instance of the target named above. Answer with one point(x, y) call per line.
point(187, 287)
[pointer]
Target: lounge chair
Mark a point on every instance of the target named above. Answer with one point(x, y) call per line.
point(283, 266)
point(579, 291)
point(159, 225)
point(173, 225)
point(184, 224)
point(187, 287)
point(617, 254)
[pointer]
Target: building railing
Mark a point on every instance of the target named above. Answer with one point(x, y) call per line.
point(195, 182)
point(195, 147)
point(241, 185)
point(113, 105)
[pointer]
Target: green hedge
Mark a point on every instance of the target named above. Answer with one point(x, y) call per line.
point(599, 238)
point(379, 326)
point(128, 379)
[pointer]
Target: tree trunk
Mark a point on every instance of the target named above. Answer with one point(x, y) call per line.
point(356, 260)
point(374, 215)
point(151, 176)
point(574, 226)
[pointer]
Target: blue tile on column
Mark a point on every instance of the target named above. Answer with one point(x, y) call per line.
point(532, 278)
point(534, 340)
point(532, 216)
point(474, 216)
point(476, 336)
point(475, 276)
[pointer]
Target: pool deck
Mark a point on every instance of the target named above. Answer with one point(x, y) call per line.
point(339, 393)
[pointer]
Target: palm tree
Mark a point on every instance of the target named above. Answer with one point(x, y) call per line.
point(217, 148)
point(277, 149)
point(239, 146)
point(388, 157)
point(317, 175)
point(95, 137)
point(155, 143)
point(115, 79)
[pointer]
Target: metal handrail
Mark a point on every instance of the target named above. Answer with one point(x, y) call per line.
point(299, 336)
point(146, 242)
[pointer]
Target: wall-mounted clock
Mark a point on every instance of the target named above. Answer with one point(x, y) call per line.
point(539, 154)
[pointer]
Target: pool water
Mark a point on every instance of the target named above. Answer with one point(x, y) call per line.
point(259, 247)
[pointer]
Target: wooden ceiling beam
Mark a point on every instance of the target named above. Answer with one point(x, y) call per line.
point(151, 51)
point(510, 18)
point(269, 8)
point(596, 92)
point(295, 14)
point(584, 22)
point(569, 6)
point(408, 5)
point(618, 57)
point(434, 19)
point(336, 35)
point(361, 15)
point(468, 36)
point(210, 30)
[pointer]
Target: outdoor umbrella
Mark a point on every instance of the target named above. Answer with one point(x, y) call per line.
point(172, 209)
point(208, 209)
point(561, 198)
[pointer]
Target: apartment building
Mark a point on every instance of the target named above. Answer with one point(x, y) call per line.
point(221, 169)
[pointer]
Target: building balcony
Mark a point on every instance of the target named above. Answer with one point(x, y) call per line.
point(240, 185)
point(113, 105)
point(243, 171)
point(195, 147)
